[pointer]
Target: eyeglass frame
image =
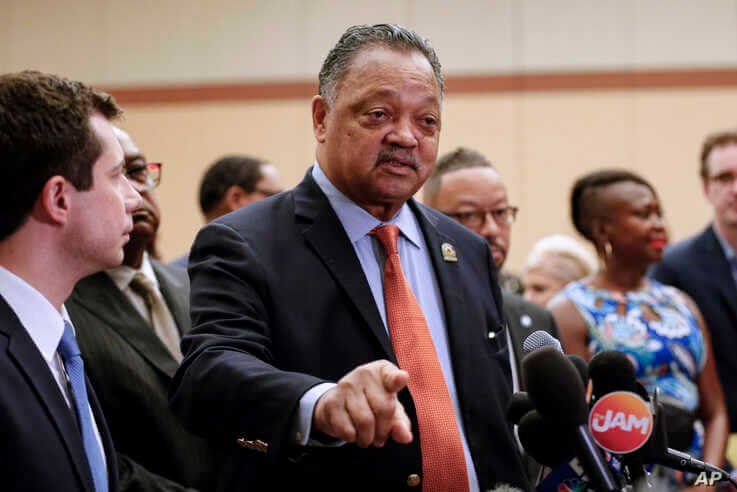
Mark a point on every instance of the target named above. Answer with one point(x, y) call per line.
point(723, 179)
point(152, 181)
point(510, 211)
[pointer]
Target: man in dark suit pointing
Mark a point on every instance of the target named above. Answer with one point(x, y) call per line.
point(340, 329)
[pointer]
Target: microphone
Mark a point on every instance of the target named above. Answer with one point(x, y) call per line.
point(539, 339)
point(612, 374)
point(537, 436)
point(623, 423)
point(581, 367)
point(518, 406)
point(556, 389)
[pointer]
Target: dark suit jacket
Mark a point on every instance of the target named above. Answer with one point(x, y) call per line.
point(698, 267)
point(40, 442)
point(524, 318)
point(280, 303)
point(132, 370)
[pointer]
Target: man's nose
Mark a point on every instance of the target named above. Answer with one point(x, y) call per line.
point(489, 228)
point(133, 198)
point(402, 134)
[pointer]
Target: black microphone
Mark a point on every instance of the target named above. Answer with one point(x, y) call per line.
point(581, 367)
point(547, 443)
point(657, 451)
point(518, 406)
point(556, 389)
point(612, 371)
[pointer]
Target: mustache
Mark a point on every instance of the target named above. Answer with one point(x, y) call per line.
point(398, 155)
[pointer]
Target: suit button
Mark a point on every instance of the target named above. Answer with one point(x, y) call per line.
point(413, 480)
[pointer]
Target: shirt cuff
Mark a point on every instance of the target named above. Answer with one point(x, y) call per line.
point(305, 412)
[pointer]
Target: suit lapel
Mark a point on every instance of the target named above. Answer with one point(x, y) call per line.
point(176, 295)
point(100, 296)
point(326, 236)
point(721, 270)
point(451, 287)
point(30, 362)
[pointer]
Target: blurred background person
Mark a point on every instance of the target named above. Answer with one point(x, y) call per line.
point(129, 321)
point(554, 262)
point(232, 182)
point(658, 327)
point(705, 265)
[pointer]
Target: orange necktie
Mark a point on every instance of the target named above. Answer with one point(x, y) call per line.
point(443, 462)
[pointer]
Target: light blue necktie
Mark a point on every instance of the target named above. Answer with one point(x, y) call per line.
point(72, 357)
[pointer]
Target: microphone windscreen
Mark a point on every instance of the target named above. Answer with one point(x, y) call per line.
point(519, 405)
point(547, 443)
point(555, 387)
point(610, 371)
point(539, 339)
point(581, 367)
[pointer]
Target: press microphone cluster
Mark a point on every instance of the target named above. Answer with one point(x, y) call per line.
point(613, 441)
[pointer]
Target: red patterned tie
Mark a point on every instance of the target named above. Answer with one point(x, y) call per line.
point(443, 462)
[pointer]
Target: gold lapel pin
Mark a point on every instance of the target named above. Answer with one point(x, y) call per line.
point(449, 253)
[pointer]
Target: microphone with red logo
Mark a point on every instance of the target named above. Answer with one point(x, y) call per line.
point(556, 389)
point(624, 422)
point(614, 388)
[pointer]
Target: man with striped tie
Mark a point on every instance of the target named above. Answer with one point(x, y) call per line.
point(67, 208)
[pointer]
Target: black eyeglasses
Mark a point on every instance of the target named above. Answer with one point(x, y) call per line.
point(503, 216)
point(723, 179)
point(145, 176)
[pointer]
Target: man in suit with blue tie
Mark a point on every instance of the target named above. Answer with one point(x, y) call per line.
point(704, 266)
point(66, 214)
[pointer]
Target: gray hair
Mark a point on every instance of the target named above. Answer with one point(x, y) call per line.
point(357, 38)
point(563, 257)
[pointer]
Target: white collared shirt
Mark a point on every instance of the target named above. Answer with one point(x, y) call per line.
point(45, 326)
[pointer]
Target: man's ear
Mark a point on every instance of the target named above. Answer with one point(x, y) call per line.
point(319, 117)
point(54, 202)
point(235, 197)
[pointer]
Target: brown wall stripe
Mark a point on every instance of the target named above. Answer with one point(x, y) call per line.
point(528, 82)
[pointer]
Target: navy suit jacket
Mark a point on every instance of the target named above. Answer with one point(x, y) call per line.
point(280, 303)
point(698, 267)
point(40, 443)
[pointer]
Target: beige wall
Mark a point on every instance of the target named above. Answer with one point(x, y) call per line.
point(143, 41)
point(540, 142)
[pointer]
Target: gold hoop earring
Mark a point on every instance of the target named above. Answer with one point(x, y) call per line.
point(608, 250)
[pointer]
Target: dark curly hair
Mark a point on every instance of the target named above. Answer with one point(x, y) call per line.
point(44, 132)
point(586, 203)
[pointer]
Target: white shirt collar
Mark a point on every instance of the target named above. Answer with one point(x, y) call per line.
point(123, 274)
point(356, 221)
point(39, 317)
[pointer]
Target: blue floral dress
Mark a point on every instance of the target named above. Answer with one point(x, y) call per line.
point(659, 333)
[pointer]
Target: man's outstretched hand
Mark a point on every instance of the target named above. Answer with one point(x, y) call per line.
point(363, 408)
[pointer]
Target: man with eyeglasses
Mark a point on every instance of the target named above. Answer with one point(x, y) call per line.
point(465, 186)
point(232, 182)
point(705, 265)
point(129, 322)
